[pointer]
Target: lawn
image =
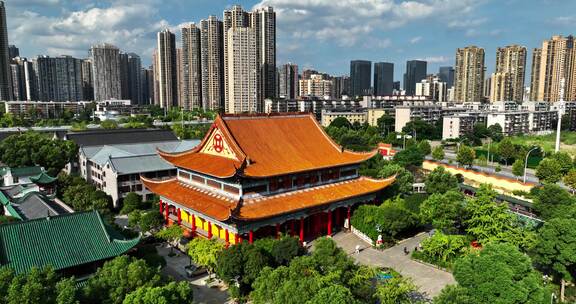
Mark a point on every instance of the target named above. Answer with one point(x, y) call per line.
point(547, 142)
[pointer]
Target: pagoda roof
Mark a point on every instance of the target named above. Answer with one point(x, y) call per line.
point(62, 241)
point(222, 208)
point(260, 146)
point(43, 178)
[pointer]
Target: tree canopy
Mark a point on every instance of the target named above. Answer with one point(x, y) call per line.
point(176, 293)
point(552, 201)
point(549, 171)
point(440, 181)
point(409, 157)
point(445, 211)
point(499, 273)
point(36, 149)
point(465, 156)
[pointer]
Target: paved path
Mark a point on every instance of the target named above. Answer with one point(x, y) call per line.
point(430, 280)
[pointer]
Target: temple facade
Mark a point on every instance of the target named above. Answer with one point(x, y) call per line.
point(255, 176)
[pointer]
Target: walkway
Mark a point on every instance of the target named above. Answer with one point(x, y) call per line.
point(429, 279)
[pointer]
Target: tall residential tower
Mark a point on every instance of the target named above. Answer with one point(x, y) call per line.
point(469, 74)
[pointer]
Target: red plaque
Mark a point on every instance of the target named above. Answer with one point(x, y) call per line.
point(218, 143)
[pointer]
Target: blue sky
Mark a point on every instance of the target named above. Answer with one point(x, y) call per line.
point(320, 34)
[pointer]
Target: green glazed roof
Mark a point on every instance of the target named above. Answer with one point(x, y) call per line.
point(26, 171)
point(62, 241)
point(42, 178)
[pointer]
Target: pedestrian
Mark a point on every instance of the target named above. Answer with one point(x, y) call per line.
point(415, 249)
point(357, 251)
point(406, 252)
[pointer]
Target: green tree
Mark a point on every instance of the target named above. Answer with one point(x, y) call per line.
point(440, 181)
point(496, 132)
point(205, 252)
point(333, 294)
point(119, 277)
point(443, 247)
point(176, 293)
point(552, 201)
point(35, 149)
point(489, 221)
point(555, 251)
point(499, 273)
point(444, 211)
point(285, 249)
point(396, 290)
point(423, 130)
point(37, 286)
point(131, 202)
point(385, 122)
point(518, 168)
point(564, 160)
point(465, 156)
point(171, 235)
point(66, 292)
point(404, 179)
point(340, 122)
point(150, 220)
point(109, 124)
point(570, 180)
point(506, 150)
point(549, 171)
point(409, 157)
point(438, 153)
point(424, 147)
point(452, 294)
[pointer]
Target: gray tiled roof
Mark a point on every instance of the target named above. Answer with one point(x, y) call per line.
point(120, 136)
point(136, 158)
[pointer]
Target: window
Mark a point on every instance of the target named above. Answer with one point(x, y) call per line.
point(231, 189)
point(184, 175)
point(198, 179)
point(214, 184)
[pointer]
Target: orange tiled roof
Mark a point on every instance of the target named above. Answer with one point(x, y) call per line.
point(217, 207)
point(268, 145)
point(220, 208)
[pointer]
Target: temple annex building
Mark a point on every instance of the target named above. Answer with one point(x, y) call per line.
point(255, 176)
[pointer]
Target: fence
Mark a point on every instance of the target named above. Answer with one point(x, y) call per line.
point(362, 236)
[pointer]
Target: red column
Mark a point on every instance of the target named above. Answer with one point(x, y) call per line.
point(329, 222)
point(161, 207)
point(209, 230)
point(348, 215)
point(227, 237)
point(301, 229)
point(167, 212)
point(292, 232)
point(251, 237)
point(236, 239)
point(277, 230)
point(179, 212)
point(193, 223)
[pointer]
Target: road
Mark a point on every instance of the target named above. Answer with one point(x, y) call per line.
point(429, 280)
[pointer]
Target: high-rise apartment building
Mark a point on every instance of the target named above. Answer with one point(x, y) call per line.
point(13, 51)
point(106, 72)
point(557, 65)
point(306, 73)
point(360, 74)
point(212, 63)
point(415, 71)
point(191, 67)
point(234, 18)
point(507, 83)
point(288, 81)
point(383, 78)
point(317, 86)
point(535, 73)
point(134, 83)
point(242, 71)
point(446, 74)
point(5, 82)
point(167, 70)
point(59, 78)
point(87, 82)
point(341, 86)
point(124, 76)
point(432, 87)
point(18, 81)
point(147, 85)
point(469, 74)
point(263, 21)
point(180, 77)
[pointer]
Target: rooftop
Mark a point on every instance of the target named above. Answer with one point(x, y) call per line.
point(101, 137)
point(62, 241)
point(263, 146)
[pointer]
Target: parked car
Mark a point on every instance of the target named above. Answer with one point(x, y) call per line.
point(194, 271)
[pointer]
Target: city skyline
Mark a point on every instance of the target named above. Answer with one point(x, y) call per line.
point(432, 30)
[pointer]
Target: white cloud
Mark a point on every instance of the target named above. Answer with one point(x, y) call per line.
point(131, 27)
point(466, 23)
point(415, 39)
point(436, 59)
point(564, 20)
point(346, 22)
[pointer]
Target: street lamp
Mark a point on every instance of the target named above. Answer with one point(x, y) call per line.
point(526, 161)
point(403, 136)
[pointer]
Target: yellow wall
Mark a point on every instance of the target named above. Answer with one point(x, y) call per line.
point(504, 184)
point(202, 224)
